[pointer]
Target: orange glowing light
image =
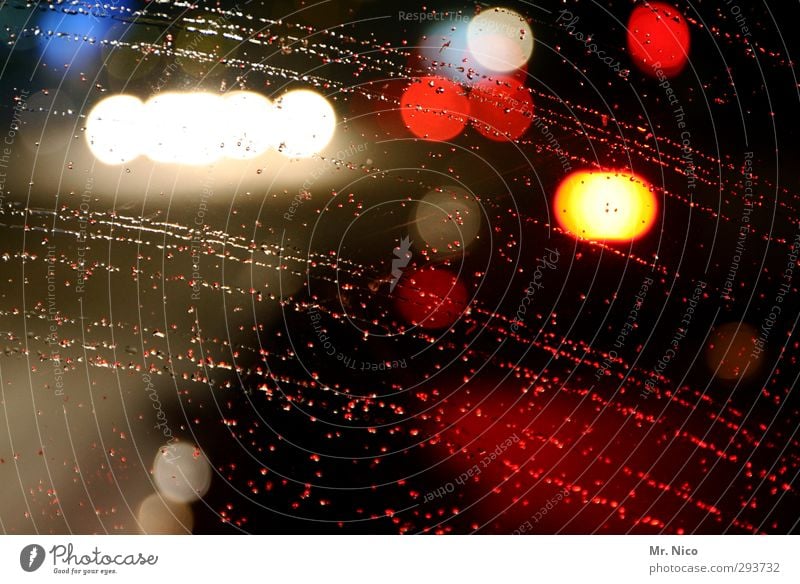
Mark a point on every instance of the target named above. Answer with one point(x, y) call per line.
point(605, 206)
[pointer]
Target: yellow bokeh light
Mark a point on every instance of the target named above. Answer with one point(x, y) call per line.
point(605, 206)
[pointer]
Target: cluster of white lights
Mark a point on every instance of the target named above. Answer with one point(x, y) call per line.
point(200, 128)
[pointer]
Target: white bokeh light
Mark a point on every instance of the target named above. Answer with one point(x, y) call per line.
point(184, 128)
point(500, 39)
point(114, 129)
point(200, 128)
point(306, 122)
point(250, 125)
point(159, 516)
point(181, 472)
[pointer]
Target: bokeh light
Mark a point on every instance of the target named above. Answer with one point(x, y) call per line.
point(250, 125)
point(159, 516)
point(199, 128)
point(337, 303)
point(730, 353)
point(447, 220)
point(114, 129)
point(434, 108)
point(184, 128)
point(305, 122)
point(605, 206)
point(431, 298)
point(658, 39)
point(500, 39)
point(502, 108)
point(181, 472)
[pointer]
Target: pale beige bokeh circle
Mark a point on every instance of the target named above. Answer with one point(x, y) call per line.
point(160, 516)
point(448, 220)
point(181, 472)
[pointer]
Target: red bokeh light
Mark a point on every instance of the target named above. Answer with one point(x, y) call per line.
point(502, 108)
point(434, 108)
point(431, 298)
point(658, 34)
